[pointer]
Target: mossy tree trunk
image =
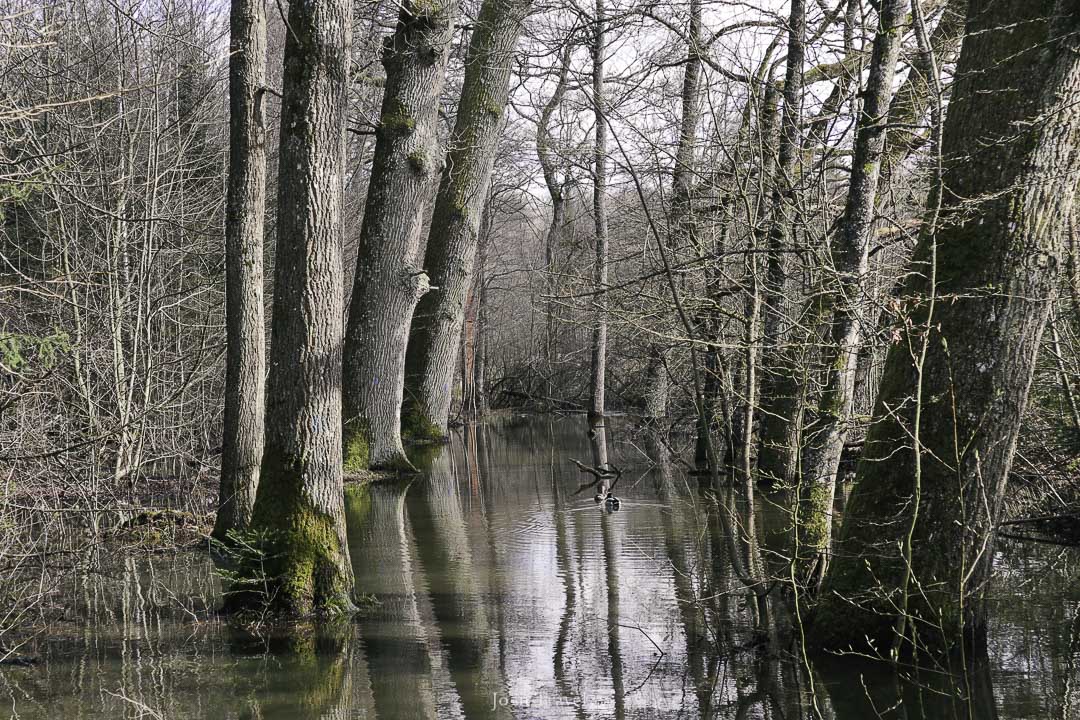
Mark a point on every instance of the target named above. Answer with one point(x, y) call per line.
point(432, 355)
point(917, 539)
point(245, 361)
point(388, 283)
point(300, 502)
point(780, 404)
point(850, 251)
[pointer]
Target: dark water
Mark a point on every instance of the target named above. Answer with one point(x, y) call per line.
point(503, 594)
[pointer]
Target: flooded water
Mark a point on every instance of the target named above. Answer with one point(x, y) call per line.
point(498, 590)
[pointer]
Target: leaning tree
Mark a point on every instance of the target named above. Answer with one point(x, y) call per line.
point(916, 546)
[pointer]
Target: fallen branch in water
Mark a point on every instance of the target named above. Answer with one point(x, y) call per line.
point(602, 473)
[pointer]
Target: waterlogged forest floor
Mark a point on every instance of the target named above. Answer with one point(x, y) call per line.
point(498, 592)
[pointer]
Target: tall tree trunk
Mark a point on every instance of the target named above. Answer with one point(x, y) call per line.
point(473, 392)
point(781, 407)
point(245, 362)
point(916, 545)
point(388, 283)
point(432, 353)
point(598, 361)
point(556, 188)
point(682, 176)
point(850, 252)
point(683, 224)
point(656, 386)
point(300, 502)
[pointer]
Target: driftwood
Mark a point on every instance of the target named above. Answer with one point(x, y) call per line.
point(1057, 529)
point(12, 660)
point(602, 473)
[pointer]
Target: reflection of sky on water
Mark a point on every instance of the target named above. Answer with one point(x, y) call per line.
point(502, 594)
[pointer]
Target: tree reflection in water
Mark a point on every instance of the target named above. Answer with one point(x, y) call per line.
point(499, 592)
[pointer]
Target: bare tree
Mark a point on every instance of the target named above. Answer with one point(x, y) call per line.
point(388, 282)
point(245, 364)
point(844, 298)
point(780, 408)
point(598, 359)
point(916, 544)
point(432, 354)
point(300, 505)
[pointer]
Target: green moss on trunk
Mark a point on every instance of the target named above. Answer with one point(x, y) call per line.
point(815, 522)
point(417, 427)
point(356, 446)
point(304, 570)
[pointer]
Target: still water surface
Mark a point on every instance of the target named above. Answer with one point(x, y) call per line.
point(501, 592)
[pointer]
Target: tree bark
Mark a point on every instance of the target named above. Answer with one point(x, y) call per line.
point(916, 545)
point(683, 222)
point(780, 405)
point(245, 361)
point(432, 354)
point(850, 253)
point(598, 357)
point(388, 283)
point(556, 189)
point(300, 504)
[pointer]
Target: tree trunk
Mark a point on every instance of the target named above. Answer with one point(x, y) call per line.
point(682, 177)
point(432, 354)
point(656, 386)
point(245, 362)
point(598, 361)
point(850, 252)
point(300, 503)
point(473, 392)
point(388, 283)
point(556, 190)
point(781, 407)
point(916, 545)
point(683, 224)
